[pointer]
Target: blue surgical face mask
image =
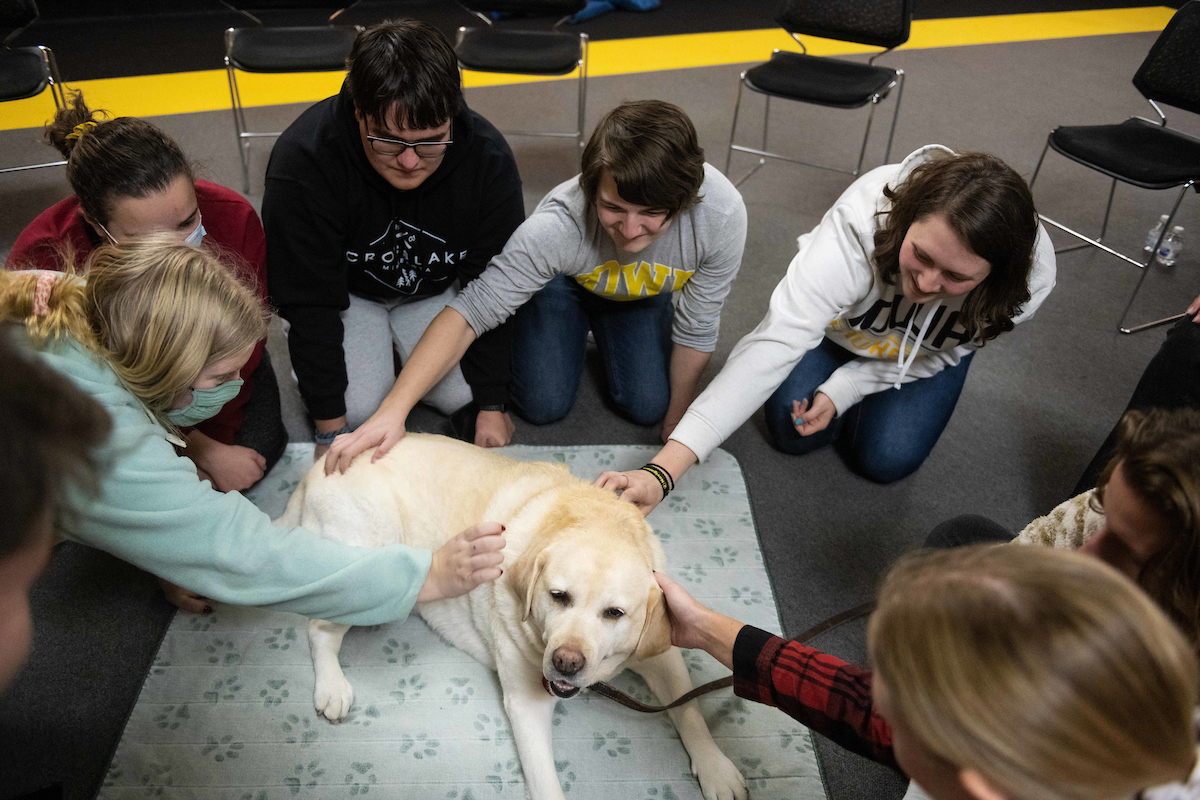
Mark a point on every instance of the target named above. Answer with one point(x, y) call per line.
point(206, 403)
point(195, 237)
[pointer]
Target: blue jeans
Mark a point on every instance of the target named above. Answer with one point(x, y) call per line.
point(887, 435)
point(550, 339)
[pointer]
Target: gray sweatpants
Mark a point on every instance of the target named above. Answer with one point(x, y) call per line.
point(372, 329)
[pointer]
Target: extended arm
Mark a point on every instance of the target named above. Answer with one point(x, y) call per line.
point(687, 364)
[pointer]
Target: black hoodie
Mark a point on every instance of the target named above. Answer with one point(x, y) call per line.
point(335, 226)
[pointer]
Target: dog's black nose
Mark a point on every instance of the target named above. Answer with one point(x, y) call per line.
point(568, 661)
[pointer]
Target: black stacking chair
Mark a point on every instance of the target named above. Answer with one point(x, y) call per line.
point(503, 49)
point(833, 82)
point(1139, 151)
point(25, 71)
point(279, 49)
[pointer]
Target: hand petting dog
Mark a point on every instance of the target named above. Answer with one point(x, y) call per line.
point(469, 559)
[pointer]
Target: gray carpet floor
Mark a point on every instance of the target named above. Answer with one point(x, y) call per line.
point(1037, 402)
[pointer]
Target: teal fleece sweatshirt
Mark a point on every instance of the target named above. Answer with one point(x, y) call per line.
point(154, 512)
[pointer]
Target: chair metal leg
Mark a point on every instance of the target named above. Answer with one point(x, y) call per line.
point(887, 154)
point(239, 125)
point(1038, 168)
point(737, 106)
point(1146, 268)
point(761, 152)
point(1103, 225)
point(583, 37)
point(866, 135)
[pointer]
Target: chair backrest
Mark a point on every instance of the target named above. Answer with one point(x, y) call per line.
point(882, 23)
point(1171, 72)
point(549, 8)
point(15, 16)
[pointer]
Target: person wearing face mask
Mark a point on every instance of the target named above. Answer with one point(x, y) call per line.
point(152, 363)
point(130, 179)
point(641, 248)
point(869, 336)
point(999, 673)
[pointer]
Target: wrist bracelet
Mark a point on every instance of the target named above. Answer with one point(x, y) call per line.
point(326, 439)
point(662, 476)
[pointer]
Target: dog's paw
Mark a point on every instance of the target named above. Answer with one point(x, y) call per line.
point(719, 778)
point(333, 696)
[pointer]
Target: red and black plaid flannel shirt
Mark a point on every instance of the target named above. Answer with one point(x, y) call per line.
point(828, 695)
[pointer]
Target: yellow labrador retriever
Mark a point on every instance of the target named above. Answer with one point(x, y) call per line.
point(577, 602)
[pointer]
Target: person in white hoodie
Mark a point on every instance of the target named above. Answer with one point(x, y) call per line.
point(869, 335)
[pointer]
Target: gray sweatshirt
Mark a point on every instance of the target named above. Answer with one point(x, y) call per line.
point(697, 258)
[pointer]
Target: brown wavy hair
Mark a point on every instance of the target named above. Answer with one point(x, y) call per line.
point(652, 152)
point(1159, 451)
point(991, 209)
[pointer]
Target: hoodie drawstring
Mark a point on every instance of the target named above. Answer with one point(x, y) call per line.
point(902, 362)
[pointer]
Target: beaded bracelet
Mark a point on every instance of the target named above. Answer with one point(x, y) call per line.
point(326, 439)
point(662, 476)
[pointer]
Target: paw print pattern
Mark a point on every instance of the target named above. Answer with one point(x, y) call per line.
point(714, 487)
point(408, 688)
point(171, 717)
point(563, 458)
point(733, 712)
point(603, 457)
point(302, 730)
point(223, 749)
point(287, 486)
point(222, 651)
point(797, 740)
point(756, 776)
point(709, 528)
point(612, 743)
point(493, 729)
point(460, 692)
point(274, 694)
point(566, 776)
point(663, 536)
point(693, 573)
point(262, 794)
point(421, 747)
point(694, 661)
point(678, 504)
point(157, 779)
point(305, 775)
point(746, 596)
point(724, 556)
point(560, 711)
point(201, 622)
point(362, 779)
point(666, 793)
point(508, 772)
point(369, 715)
point(223, 689)
point(398, 653)
point(280, 639)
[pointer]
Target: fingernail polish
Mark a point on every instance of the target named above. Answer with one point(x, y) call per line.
point(503, 528)
point(208, 609)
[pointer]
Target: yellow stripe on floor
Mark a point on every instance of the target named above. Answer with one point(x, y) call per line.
point(207, 90)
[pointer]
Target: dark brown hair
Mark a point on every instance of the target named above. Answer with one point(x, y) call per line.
point(48, 429)
point(1159, 453)
point(405, 68)
point(991, 209)
point(651, 150)
point(109, 159)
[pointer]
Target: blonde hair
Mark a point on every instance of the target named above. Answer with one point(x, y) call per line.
point(1047, 672)
point(156, 310)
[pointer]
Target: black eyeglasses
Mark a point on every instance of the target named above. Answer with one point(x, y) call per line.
point(394, 147)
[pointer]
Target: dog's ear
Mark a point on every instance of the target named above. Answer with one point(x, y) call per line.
point(656, 630)
point(523, 578)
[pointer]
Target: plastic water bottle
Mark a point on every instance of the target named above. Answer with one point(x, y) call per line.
point(1152, 236)
point(1171, 247)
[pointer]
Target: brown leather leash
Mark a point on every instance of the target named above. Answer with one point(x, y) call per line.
point(849, 615)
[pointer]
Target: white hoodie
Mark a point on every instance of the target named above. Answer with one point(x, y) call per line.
point(833, 290)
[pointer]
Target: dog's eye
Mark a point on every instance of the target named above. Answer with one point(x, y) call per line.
point(613, 613)
point(560, 597)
